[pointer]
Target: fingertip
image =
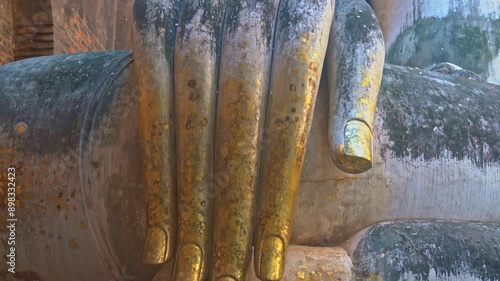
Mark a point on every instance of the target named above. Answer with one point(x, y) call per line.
point(358, 144)
point(354, 154)
point(270, 264)
point(156, 249)
point(188, 263)
point(227, 278)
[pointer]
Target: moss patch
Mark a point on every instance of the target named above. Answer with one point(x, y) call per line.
point(268, 12)
point(393, 251)
point(153, 15)
point(471, 43)
point(360, 22)
point(53, 95)
point(211, 18)
point(432, 115)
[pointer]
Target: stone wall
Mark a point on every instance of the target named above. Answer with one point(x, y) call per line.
point(6, 48)
point(91, 25)
point(30, 28)
point(74, 35)
point(421, 33)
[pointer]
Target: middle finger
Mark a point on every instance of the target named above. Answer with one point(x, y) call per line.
point(195, 68)
point(244, 78)
point(300, 47)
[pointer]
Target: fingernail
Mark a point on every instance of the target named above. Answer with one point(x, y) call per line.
point(358, 144)
point(227, 278)
point(155, 251)
point(272, 258)
point(188, 263)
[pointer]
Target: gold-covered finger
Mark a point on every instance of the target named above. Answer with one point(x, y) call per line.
point(300, 46)
point(196, 69)
point(153, 53)
point(243, 83)
point(354, 75)
point(189, 262)
point(155, 250)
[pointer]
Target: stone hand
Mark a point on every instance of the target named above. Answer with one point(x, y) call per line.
point(245, 82)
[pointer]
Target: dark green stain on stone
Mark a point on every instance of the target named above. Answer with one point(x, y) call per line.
point(152, 14)
point(496, 32)
point(55, 96)
point(285, 19)
point(469, 42)
point(211, 19)
point(290, 15)
point(268, 11)
point(393, 251)
point(359, 20)
point(432, 115)
point(355, 29)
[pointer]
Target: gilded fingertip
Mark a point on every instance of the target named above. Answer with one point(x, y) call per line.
point(188, 263)
point(272, 259)
point(226, 278)
point(357, 146)
point(156, 248)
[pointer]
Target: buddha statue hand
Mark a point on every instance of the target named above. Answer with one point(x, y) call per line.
point(227, 97)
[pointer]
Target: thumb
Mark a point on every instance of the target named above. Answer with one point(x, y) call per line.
point(355, 61)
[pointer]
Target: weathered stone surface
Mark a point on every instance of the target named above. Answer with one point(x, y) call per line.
point(425, 32)
point(427, 250)
point(81, 210)
point(6, 44)
point(102, 25)
point(436, 156)
point(63, 26)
